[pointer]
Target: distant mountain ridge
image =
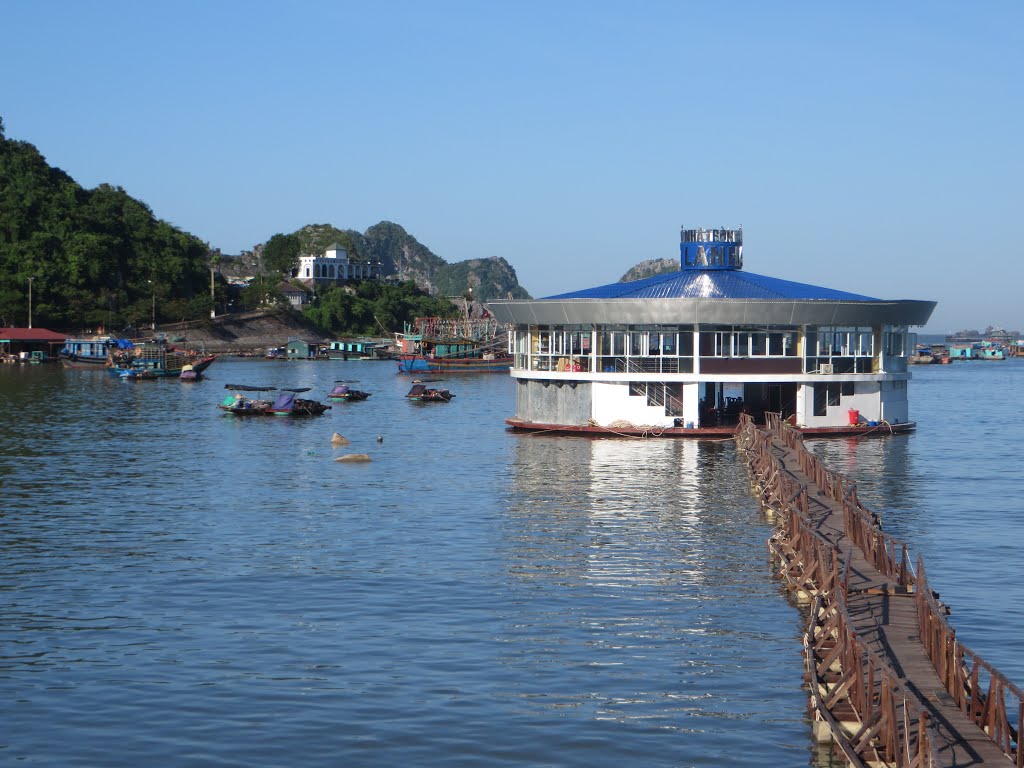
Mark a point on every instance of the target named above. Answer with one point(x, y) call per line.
point(650, 268)
point(403, 257)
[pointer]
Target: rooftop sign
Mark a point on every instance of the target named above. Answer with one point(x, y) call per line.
point(711, 249)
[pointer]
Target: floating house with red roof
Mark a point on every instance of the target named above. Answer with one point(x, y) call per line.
point(19, 343)
point(683, 354)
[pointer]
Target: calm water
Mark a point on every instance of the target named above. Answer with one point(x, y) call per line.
point(185, 588)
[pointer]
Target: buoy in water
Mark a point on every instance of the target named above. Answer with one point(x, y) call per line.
point(380, 438)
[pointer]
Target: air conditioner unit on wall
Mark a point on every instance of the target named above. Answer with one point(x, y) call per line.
point(825, 368)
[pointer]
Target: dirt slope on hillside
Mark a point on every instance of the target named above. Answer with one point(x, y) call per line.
point(248, 332)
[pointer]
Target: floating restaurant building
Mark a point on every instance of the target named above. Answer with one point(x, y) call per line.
point(685, 353)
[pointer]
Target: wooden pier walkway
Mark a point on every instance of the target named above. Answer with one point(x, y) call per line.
point(890, 682)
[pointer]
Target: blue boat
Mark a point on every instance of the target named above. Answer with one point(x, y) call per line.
point(157, 357)
point(87, 353)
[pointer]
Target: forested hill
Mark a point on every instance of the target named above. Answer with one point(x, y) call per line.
point(402, 256)
point(94, 256)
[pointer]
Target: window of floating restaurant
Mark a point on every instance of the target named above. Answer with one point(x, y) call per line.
point(828, 394)
point(519, 346)
point(660, 349)
point(732, 341)
point(896, 342)
point(650, 349)
point(611, 348)
point(554, 348)
point(846, 349)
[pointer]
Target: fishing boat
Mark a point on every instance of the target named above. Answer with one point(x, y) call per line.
point(453, 345)
point(159, 357)
point(246, 400)
point(287, 404)
point(342, 392)
point(421, 393)
point(89, 353)
point(923, 355)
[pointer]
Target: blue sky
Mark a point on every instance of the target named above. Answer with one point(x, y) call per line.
point(871, 147)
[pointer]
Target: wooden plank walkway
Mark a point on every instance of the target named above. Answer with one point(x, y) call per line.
point(889, 680)
point(884, 615)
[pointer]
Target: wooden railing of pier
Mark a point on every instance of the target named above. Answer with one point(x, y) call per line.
point(848, 680)
point(874, 714)
point(992, 702)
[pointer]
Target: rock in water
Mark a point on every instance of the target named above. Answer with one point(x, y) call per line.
point(337, 439)
point(353, 457)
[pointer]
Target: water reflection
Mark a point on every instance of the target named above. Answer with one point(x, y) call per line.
point(647, 554)
point(641, 512)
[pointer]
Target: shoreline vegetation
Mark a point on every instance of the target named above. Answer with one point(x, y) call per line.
point(74, 258)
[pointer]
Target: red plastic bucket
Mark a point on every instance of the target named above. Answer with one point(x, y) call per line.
point(854, 417)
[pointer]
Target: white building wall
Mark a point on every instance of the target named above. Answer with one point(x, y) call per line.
point(866, 399)
point(691, 403)
point(612, 402)
point(867, 402)
point(340, 260)
point(332, 266)
point(895, 407)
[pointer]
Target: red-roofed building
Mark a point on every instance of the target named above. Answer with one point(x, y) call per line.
point(20, 343)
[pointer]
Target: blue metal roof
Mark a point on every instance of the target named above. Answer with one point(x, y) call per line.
point(713, 284)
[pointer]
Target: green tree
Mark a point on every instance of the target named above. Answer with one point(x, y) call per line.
point(92, 254)
point(281, 253)
point(262, 294)
point(372, 307)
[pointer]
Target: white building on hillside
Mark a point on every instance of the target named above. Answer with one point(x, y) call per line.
point(335, 266)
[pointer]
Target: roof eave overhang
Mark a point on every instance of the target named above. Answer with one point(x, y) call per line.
point(793, 312)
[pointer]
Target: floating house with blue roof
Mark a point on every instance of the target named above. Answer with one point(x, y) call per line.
point(685, 353)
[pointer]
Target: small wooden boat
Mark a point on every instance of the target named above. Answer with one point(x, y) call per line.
point(421, 393)
point(242, 404)
point(342, 392)
point(287, 404)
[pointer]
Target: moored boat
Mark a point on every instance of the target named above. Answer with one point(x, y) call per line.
point(246, 400)
point(421, 393)
point(87, 353)
point(189, 373)
point(158, 357)
point(923, 355)
point(453, 345)
point(342, 392)
point(287, 404)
